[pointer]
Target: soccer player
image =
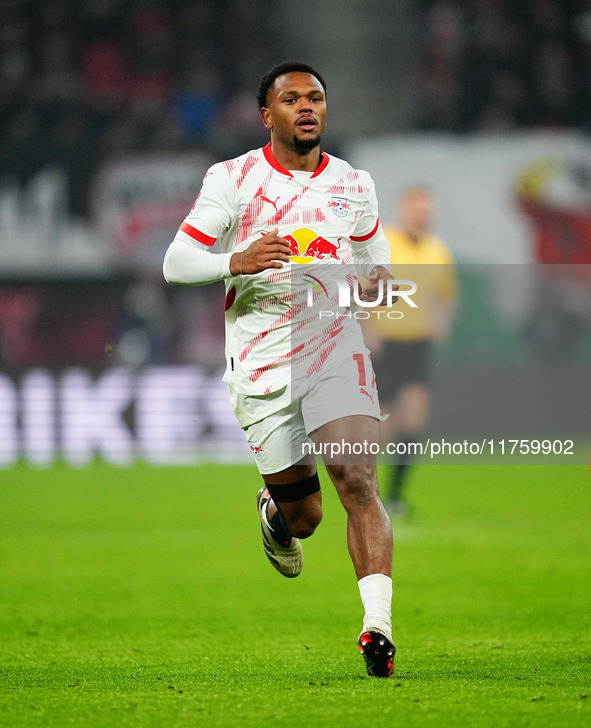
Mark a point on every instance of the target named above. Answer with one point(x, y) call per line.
point(295, 378)
point(403, 347)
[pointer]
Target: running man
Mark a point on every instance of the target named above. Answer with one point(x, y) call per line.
point(295, 377)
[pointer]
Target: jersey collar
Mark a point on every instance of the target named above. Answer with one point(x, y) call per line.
point(270, 157)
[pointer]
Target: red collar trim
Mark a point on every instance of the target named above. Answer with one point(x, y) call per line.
point(322, 165)
point(269, 156)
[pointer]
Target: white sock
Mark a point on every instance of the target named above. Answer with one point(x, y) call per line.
point(376, 595)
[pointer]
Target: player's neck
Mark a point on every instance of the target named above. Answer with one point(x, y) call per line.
point(294, 160)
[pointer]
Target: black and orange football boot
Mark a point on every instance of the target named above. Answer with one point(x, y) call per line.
point(378, 653)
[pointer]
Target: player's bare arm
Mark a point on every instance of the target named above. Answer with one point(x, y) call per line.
point(269, 251)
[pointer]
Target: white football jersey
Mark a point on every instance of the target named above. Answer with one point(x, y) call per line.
point(330, 217)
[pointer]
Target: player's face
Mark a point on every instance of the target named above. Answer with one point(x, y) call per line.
point(416, 211)
point(296, 111)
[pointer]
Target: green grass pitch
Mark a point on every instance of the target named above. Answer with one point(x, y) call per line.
point(141, 597)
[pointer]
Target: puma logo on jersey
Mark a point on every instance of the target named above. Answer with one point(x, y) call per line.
point(364, 391)
point(271, 202)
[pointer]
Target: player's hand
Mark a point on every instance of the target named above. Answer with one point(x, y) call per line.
point(370, 292)
point(269, 251)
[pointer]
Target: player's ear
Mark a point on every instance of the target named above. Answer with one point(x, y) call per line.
point(266, 114)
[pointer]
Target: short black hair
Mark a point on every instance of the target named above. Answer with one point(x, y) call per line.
point(286, 67)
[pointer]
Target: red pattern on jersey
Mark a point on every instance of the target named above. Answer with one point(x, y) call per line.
point(252, 212)
point(279, 275)
point(309, 347)
point(354, 177)
point(320, 345)
point(314, 344)
point(337, 189)
point(354, 188)
point(258, 373)
point(308, 217)
point(319, 216)
point(285, 318)
point(246, 167)
point(280, 214)
point(319, 361)
point(230, 164)
point(292, 219)
point(255, 206)
point(312, 216)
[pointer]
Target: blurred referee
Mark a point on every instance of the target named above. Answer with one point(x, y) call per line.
point(402, 348)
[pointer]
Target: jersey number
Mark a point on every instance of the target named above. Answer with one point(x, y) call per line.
point(361, 368)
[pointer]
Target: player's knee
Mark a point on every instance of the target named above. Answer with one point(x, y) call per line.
point(357, 486)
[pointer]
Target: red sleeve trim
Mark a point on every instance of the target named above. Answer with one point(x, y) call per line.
point(197, 234)
point(361, 238)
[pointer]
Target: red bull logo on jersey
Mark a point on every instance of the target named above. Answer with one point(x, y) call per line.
point(306, 246)
point(322, 248)
point(340, 206)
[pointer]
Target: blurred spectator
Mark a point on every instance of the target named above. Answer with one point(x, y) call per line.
point(126, 76)
point(80, 79)
point(494, 65)
point(198, 99)
point(55, 324)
